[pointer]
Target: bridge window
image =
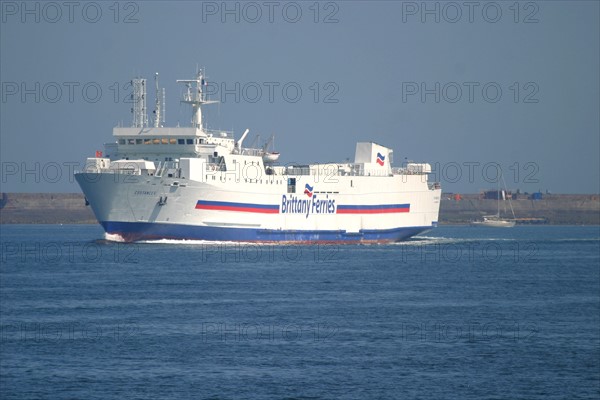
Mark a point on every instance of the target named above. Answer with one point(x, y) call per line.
point(138, 141)
point(147, 141)
point(190, 141)
point(130, 141)
point(172, 141)
point(121, 141)
point(180, 141)
point(156, 141)
point(165, 141)
point(291, 185)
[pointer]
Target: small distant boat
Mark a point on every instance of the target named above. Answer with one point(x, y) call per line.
point(494, 221)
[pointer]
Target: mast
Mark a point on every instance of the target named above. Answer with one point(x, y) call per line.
point(509, 201)
point(157, 106)
point(499, 194)
point(164, 107)
point(196, 97)
point(140, 116)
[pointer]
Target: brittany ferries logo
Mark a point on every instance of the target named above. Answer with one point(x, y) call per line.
point(312, 205)
point(308, 190)
point(380, 159)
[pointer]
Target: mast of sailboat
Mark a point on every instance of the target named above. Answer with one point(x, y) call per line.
point(509, 202)
point(498, 196)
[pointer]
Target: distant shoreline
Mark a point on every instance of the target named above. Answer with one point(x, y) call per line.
point(553, 209)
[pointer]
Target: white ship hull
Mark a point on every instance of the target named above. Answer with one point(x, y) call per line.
point(355, 209)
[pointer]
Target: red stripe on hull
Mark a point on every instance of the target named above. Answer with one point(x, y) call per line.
point(239, 209)
point(376, 211)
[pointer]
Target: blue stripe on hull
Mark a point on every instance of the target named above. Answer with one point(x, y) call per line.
point(134, 231)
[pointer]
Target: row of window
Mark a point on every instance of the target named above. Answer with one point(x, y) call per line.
point(222, 178)
point(161, 141)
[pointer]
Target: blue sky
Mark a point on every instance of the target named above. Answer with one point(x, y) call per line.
point(466, 88)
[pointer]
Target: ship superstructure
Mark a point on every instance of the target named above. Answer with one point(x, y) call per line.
point(157, 182)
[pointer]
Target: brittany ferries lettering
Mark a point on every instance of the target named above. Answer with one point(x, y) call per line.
point(308, 206)
point(157, 182)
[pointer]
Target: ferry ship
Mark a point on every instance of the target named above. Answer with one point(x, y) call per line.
point(193, 183)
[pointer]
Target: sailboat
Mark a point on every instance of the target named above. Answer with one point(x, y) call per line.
point(495, 220)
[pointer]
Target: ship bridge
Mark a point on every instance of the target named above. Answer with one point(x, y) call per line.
point(158, 143)
point(167, 144)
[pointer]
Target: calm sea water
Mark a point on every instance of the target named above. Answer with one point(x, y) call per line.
point(458, 313)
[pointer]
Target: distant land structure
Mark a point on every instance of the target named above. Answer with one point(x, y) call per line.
point(529, 208)
point(556, 209)
point(44, 208)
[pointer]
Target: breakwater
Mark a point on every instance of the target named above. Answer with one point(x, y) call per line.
point(557, 209)
point(44, 208)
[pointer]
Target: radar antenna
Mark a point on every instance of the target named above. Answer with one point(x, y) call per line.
point(196, 97)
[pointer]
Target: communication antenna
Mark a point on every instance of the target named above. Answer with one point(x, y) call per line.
point(164, 108)
point(140, 115)
point(157, 107)
point(196, 97)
